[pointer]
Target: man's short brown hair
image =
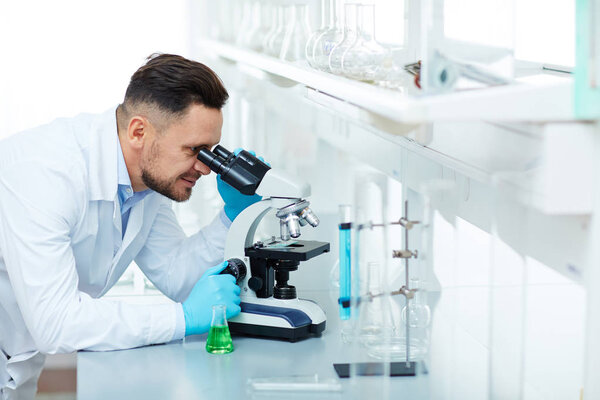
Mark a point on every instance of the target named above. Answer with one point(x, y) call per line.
point(173, 83)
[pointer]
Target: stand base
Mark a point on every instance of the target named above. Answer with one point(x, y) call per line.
point(397, 368)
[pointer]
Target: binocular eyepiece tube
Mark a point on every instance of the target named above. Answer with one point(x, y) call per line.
point(243, 170)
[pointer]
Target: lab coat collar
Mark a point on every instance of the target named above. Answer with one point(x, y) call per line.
point(103, 157)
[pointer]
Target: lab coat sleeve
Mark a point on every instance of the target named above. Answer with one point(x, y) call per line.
point(39, 208)
point(174, 262)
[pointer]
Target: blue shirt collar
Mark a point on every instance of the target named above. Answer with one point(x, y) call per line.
point(125, 191)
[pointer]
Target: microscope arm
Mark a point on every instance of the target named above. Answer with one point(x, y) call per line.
point(277, 183)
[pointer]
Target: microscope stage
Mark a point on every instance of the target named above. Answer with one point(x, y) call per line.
point(297, 250)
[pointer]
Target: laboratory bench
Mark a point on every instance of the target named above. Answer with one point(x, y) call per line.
point(185, 370)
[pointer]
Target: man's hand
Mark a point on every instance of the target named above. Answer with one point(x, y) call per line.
point(235, 202)
point(211, 289)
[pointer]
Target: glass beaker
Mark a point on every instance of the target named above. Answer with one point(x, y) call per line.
point(310, 45)
point(296, 35)
point(364, 59)
point(219, 339)
point(328, 39)
point(348, 38)
point(275, 39)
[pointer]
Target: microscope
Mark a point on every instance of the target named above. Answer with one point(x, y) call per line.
point(270, 306)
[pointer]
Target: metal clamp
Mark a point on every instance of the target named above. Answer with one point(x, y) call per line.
point(406, 224)
point(405, 254)
point(406, 292)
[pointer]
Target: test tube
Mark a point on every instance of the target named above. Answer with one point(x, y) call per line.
point(345, 227)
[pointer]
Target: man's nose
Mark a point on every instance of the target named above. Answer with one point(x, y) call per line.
point(201, 167)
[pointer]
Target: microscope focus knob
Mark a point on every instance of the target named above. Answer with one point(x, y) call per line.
point(237, 268)
point(255, 283)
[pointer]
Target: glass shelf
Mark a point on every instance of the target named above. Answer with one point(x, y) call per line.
point(538, 97)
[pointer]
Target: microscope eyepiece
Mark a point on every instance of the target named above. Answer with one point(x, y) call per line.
point(222, 152)
point(242, 171)
point(211, 160)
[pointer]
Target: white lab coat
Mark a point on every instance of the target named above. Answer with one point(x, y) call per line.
point(61, 249)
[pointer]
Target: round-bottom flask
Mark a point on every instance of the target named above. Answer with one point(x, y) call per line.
point(310, 44)
point(364, 59)
point(348, 39)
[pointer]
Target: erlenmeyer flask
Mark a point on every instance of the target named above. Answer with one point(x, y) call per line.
point(328, 39)
point(275, 40)
point(219, 339)
point(262, 26)
point(364, 59)
point(348, 39)
point(310, 45)
point(246, 26)
point(297, 33)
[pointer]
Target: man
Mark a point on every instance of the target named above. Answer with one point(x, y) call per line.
point(82, 198)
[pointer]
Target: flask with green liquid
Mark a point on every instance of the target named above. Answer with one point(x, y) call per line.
point(219, 339)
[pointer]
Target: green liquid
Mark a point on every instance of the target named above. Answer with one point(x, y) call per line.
point(219, 340)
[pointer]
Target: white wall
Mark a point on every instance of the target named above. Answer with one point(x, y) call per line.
point(62, 57)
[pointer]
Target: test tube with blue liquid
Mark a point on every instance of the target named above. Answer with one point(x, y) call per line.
point(345, 228)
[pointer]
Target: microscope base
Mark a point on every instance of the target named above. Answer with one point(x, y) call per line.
point(279, 322)
point(291, 334)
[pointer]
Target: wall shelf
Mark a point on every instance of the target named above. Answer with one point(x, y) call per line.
point(540, 97)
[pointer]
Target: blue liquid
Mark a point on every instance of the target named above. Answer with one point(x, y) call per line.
point(345, 272)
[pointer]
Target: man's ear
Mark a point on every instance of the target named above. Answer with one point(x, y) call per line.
point(138, 131)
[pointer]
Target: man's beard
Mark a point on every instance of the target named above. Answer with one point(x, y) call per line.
point(166, 187)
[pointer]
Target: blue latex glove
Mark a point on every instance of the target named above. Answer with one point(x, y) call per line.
point(235, 202)
point(211, 289)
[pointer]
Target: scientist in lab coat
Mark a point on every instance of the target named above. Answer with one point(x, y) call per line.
point(82, 198)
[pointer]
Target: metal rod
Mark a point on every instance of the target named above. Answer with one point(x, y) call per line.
point(407, 287)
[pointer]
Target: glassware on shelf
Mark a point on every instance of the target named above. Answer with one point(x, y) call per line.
point(247, 22)
point(328, 39)
point(273, 26)
point(219, 339)
point(364, 59)
point(348, 39)
point(263, 14)
point(310, 45)
point(297, 33)
point(275, 38)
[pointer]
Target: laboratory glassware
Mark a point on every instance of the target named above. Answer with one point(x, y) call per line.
point(364, 59)
point(328, 39)
point(416, 313)
point(297, 33)
point(273, 26)
point(275, 39)
point(247, 23)
point(310, 44)
point(263, 14)
point(345, 228)
point(219, 339)
point(371, 308)
point(348, 39)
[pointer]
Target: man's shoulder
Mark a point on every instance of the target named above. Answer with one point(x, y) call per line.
point(61, 139)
